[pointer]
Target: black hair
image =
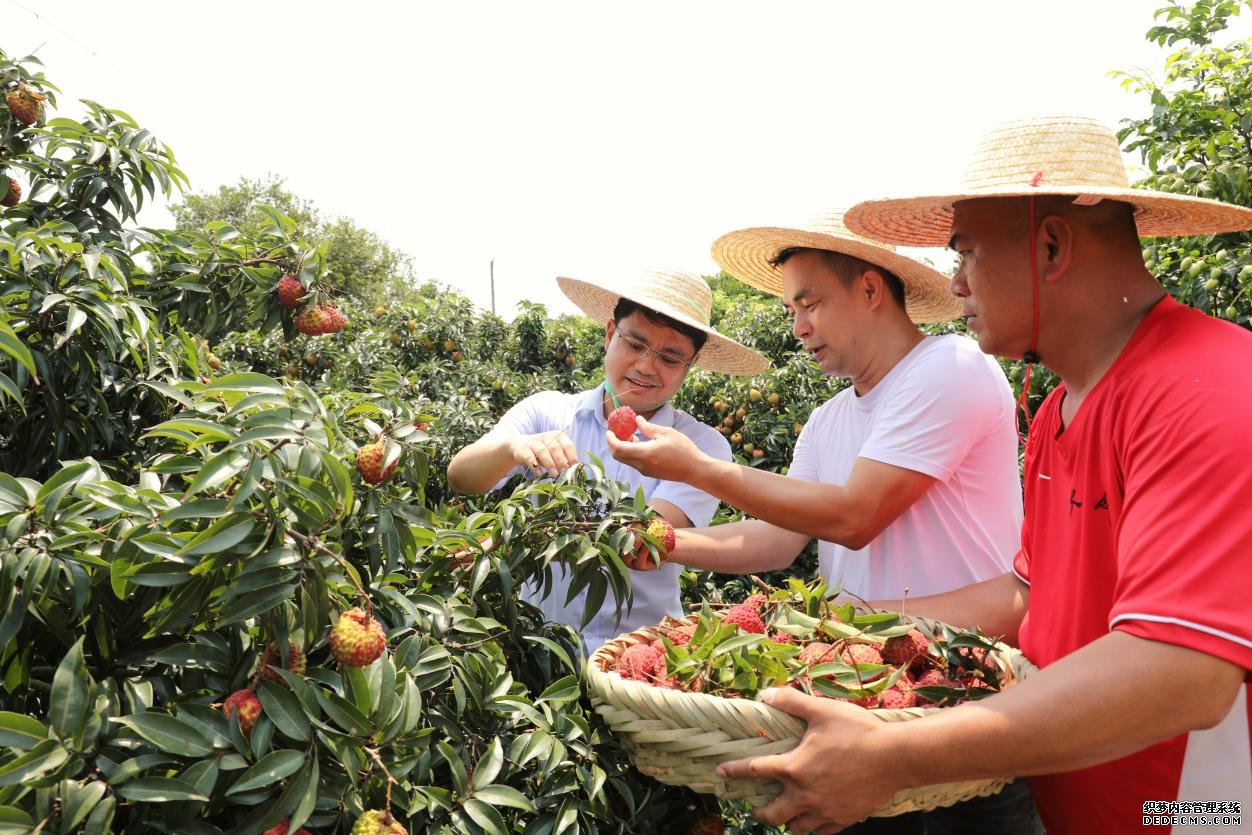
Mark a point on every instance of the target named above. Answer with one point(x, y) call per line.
point(625, 307)
point(846, 268)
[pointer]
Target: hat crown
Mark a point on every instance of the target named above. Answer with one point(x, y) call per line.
point(1049, 152)
point(675, 292)
point(831, 223)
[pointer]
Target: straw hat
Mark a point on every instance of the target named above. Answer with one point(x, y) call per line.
point(683, 297)
point(1046, 155)
point(746, 254)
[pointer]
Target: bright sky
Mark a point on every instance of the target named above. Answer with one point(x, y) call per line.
point(582, 138)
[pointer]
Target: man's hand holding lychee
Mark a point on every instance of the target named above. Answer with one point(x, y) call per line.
point(668, 454)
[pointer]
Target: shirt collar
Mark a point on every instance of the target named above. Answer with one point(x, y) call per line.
point(590, 401)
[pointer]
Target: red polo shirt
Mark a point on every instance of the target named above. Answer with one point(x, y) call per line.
point(1138, 518)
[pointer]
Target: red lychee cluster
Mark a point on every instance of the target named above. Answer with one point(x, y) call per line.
point(246, 705)
point(357, 639)
point(622, 422)
point(830, 658)
point(318, 319)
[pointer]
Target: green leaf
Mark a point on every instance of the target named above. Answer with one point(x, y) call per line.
point(217, 470)
point(160, 790)
point(284, 710)
point(488, 767)
point(304, 806)
point(246, 381)
point(77, 801)
point(18, 730)
point(268, 770)
point(562, 690)
point(12, 345)
point(222, 535)
point(45, 757)
point(167, 733)
point(486, 816)
point(71, 687)
point(503, 796)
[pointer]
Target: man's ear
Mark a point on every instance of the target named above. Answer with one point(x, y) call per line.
point(873, 286)
point(609, 328)
point(1056, 247)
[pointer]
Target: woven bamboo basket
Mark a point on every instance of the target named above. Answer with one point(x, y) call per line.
point(680, 738)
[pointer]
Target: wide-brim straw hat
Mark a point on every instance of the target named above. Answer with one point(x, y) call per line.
point(746, 254)
point(1047, 155)
point(681, 296)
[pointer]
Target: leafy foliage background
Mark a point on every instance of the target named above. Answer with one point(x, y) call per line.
point(177, 489)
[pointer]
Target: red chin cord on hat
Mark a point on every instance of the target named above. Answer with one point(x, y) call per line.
point(1031, 357)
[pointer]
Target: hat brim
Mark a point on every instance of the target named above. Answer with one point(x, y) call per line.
point(927, 221)
point(719, 353)
point(746, 254)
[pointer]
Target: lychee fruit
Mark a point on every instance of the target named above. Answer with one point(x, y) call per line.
point(246, 705)
point(814, 653)
point(641, 662)
point(905, 650)
point(622, 422)
point(377, 822)
point(936, 678)
point(755, 602)
point(281, 829)
point(290, 291)
point(852, 654)
point(708, 823)
point(663, 531)
point(318, 319)
point(13, 194)
point(271, 659)
point(680, 636)
point(25, 103)
point(369, 463)
point(745, 617)
point(899, 695)
point(357, 639)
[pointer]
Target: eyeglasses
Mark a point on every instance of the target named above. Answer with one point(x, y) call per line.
point(636, 346)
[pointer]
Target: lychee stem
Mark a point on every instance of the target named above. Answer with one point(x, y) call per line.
point(311, 543)
point(373, 752)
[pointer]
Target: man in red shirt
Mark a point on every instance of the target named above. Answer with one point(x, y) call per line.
point(1133, 584)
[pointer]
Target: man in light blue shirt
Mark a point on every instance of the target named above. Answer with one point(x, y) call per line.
point(654, 331)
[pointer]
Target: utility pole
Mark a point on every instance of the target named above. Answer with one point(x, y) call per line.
point(493, 286)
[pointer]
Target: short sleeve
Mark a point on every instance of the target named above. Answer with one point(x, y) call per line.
point(947, 401)
point(1184, 573)
point(803, 458)
point(698, 505)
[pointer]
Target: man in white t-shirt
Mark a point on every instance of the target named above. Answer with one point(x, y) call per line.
point(908, 477)
point(654, 331)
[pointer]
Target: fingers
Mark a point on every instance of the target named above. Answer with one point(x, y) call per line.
point(768, 767)
point(550, 452)
point(790, 700)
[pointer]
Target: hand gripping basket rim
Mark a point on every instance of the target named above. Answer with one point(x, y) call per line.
point(680, 738)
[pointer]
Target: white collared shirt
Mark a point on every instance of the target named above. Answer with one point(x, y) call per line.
point(656, 593)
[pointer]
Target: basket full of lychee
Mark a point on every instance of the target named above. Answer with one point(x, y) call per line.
point(681, 696)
